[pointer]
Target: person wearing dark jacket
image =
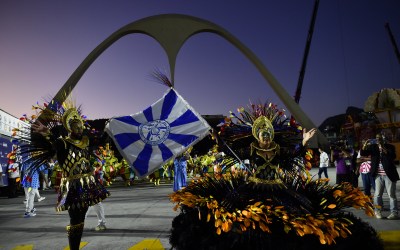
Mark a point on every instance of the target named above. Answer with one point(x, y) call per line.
point(383, 170)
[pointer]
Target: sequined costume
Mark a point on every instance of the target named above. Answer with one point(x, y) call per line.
point(275, 203)
point(78, 187)
point(68, 143)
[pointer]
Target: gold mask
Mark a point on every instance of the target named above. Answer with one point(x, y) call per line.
point(264, 125)
point(69, 116)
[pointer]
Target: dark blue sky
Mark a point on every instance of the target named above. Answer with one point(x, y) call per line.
point(351, 56)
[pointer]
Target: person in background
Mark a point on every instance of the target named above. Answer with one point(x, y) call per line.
point(180, 173)
point(343, 161)
point(384, 171)
point(99, 210)
point(30, 183)
point(13, 172)
point(365, 172)
point(155, 177)
point(36, 190)
point(132, 176)
point(1, 176)
point(355, 167)
point(98, 165)
point(51, 164)
point(44, 173)
point(323, 163)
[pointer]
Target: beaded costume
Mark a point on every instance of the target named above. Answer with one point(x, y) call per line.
point(274, 203)
point(48, 139)
point(78, 187)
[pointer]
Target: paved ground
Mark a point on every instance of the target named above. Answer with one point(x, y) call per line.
point(133, 214)
point(138, 217)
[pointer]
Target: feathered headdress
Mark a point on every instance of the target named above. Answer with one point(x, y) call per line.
point(239, 129)
point(57, 117)
point(53, 115)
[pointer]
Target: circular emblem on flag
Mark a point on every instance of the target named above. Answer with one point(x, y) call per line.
point(154, 132)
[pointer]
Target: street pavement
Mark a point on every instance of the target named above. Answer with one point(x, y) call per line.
point(138, 217)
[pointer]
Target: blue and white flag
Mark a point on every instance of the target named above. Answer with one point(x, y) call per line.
point(164, 130)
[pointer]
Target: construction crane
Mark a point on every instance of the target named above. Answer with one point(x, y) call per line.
point(307, 49)
point(396, 49)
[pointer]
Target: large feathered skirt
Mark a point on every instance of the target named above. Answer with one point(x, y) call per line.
point(235, 212)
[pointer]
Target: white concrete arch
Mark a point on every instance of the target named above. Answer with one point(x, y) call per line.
point(171, 31)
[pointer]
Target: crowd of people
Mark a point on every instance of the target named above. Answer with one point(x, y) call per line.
point(257, 164)
point(374, 160)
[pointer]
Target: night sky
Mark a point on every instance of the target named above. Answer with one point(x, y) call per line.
point(351, 55)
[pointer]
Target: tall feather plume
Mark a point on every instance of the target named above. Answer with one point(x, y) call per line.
point(162, 78)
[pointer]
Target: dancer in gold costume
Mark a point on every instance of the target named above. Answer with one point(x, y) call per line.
point(274, 203)
point(78, 188)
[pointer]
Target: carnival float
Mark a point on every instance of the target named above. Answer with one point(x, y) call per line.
point(385, 105)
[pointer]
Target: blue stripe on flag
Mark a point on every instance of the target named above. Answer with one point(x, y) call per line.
point(126, 139)
point(168, 104)
point(186, 118)
point(148, 113)
point(165, 151)
point(142, 161)
point(184, 140)
point(128, 119)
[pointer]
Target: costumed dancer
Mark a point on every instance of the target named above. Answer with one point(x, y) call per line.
point(78, 188)
point(30, 183)
point(167, 171)
point(13, 170)
point(122, 168)
point(274, 203)
point(180, 172)
point(98, 163)
point(109, 164)
point(155, 177)
point(129, 173)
